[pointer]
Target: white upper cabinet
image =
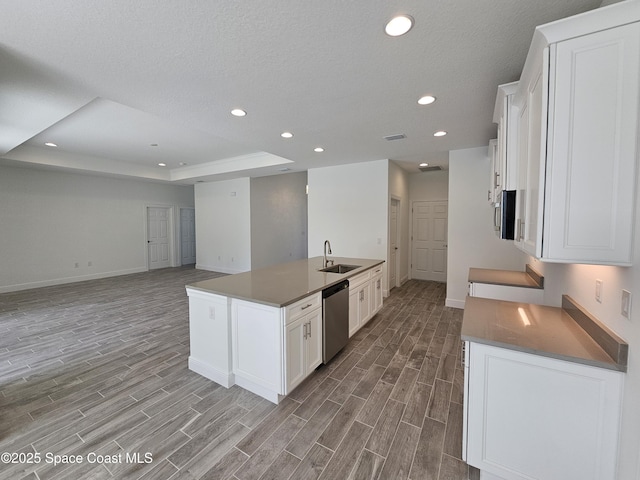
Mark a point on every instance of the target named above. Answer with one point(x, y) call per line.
point(577, 138)
point(504, 176)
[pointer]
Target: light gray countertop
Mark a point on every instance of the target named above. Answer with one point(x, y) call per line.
point(538, 329)
point(283, 284)
point(528, 279)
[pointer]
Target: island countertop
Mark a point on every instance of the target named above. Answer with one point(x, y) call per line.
point(569, 333)
point(283, 284)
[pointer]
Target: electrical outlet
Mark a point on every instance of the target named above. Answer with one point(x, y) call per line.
point(77, 265)
point(625, 306)
point(212, 312)
point(599, 290)
point(89, 264)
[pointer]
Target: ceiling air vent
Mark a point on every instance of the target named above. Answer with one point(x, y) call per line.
point(434, 168)
point(398, 136)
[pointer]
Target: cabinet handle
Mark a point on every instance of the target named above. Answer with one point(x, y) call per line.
point(306, 306)
point(496, 184)
point(361, 295)
point(488, 195)
point(304, 331)
point(309, 330)
point(378, 283)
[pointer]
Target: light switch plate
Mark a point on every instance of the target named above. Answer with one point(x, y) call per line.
point(625, 307)
point(599, 290)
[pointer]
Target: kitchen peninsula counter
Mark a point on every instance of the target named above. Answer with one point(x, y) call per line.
point(567, 333)
point(283, 284)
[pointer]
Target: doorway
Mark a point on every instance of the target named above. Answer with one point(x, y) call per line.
point(159, 237)
point(187, 236)
point(394, 244)
point(429, 240)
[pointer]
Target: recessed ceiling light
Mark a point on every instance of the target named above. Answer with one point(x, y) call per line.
point(51, 144)
point(162, 164)
point(426, 100)
point(440, 133)
point(399, 25)
point(286, 135)
point(318, 149)
point(238, 112)
point(424, 164)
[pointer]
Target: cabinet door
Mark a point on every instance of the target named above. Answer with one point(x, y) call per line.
point(523, 152)
point(354, 311)
point(376, 286)
point(536, 151)
point(295, 353)
point(314, 341)
point(535, 417)
point(494, 185)
point(364, 299)
point(593, 147)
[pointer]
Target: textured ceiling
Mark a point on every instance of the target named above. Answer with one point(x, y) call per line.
point(105, 80)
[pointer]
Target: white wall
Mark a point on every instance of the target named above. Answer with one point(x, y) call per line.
point(472, 241)
point(399, 190)
point(278, 219)
point(49, 221)
point(348, 205)
point(429, 186)
point(578, 281)
point(223, 225)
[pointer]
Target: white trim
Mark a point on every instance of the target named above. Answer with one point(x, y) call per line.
point(453, 303)
point(264, 392)
point(217, 268)
point(398, 240)
point(226, 379)
point(65, 280)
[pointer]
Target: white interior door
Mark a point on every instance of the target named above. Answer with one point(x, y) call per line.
point(187, 236)
point(393, 243)
point(429, 241)
point(158, 237)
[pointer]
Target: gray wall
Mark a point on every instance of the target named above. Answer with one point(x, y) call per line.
point(278, 219)
point(51, 221)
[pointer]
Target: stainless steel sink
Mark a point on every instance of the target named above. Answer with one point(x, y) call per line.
point(339, 268)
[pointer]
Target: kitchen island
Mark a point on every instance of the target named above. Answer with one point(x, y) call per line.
point(262, 329)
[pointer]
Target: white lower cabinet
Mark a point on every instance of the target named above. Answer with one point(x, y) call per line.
point(376, 292)
point(359, 301)
point(507, 293)
point(274, 349)
point(532, 417)
point(303, 348)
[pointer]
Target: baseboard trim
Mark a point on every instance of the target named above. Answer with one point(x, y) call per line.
point(264, 392)
point(65, 280)
point(453, 303)
point(210, 268)
point(225, 379)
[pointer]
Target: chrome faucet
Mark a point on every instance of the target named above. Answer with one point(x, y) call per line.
point(325, 262)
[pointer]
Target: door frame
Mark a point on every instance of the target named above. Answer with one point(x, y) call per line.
point(394, 198)
point(172, 233)
point(413, 202)
point(179, 233)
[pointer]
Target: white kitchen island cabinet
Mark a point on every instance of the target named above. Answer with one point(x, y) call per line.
point(262, 330)
point(542, 397)
point(577, 108)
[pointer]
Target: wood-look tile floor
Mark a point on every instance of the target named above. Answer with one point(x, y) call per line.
point(98, 369)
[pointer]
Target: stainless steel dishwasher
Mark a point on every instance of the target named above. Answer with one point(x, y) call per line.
point(335, 319)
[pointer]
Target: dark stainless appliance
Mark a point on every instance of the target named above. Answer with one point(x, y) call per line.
point(335, 319)
point(505, 215)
